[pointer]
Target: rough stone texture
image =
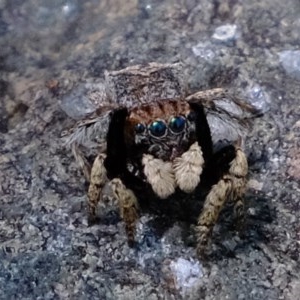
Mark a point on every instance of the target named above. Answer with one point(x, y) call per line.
point(47, 250)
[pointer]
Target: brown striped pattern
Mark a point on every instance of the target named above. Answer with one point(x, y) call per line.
point(163, 109)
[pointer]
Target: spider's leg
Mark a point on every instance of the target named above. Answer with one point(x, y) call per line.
point(128, 205)
point(97, 181)
point(240, 165)
point(116, 151)
point(115, 162)
point(231, 186)
point(81, 161)
point(203, 134)
point(210, 99)
point(228, 115)
point(116, 166)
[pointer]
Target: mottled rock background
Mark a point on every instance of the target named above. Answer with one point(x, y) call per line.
point(48, 48)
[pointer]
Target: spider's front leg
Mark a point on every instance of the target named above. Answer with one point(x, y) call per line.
point(116, 166)
point(231, 186)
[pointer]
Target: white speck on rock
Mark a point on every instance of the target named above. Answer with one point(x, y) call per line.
point(255, 185)
point(204, 51)
point(258, 97)
point(226, 33)
point(290, 60)
point(187, 273)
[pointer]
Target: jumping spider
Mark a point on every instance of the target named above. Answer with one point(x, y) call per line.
point(150, 135)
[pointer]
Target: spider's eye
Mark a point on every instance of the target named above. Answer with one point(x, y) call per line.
point(139, 128)
point(177, 124)
point(191, 116)
point(158, 128)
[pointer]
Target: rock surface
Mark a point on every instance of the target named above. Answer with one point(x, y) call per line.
point(47, 251)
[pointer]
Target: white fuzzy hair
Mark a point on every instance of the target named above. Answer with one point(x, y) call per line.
point(183, 172)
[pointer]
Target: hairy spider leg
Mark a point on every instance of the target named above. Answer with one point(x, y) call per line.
point(240, 185)
point(98, 178)
point(221, 164)
point(128, 208)
point(230, 187)
point(116, 166)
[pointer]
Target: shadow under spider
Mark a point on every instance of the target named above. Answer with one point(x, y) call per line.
point(227, 238)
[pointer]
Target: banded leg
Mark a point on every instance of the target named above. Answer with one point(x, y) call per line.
point(240, 167)
point(98, 179)
point(230, 187)
point(128, 208)
point(214, 202)
point(116, 166)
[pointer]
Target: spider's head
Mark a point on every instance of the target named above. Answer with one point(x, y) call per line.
point(164, 129)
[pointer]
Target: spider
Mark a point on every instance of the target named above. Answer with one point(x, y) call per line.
point(149, 134)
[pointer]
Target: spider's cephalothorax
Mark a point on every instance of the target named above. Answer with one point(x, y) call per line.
point(168, 141)
point(168, 144)
point(164, 130)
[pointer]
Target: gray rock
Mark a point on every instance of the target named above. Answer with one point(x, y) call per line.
point(47, 249)
point(290, 60)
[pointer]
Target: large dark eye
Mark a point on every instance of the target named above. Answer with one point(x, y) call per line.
point(139, 128)
point(177, 124)
point(158, 128)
